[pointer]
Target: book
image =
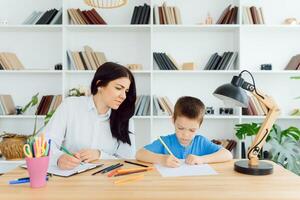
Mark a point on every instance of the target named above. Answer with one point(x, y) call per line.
point(8, 104)
point(134, 15)
point(58, 18)
point(294, 63)
point(223, 15)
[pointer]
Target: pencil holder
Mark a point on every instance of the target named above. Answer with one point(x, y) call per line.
point(37, 169)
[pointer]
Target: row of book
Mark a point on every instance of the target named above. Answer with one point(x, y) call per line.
point(77, 16)
point(229, 15)
point(166, 14)
point(254, 107)
point(162, 106)
point(85, 60)
point(224, 62)
point(7, 106)
point(253, 15)
point(48, 104)
point(226, 143)
point(164, 61)
point(141, 14)
point(142, 105)
point(10, 61)
point(51, 16)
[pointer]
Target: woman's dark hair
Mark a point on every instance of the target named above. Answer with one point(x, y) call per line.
point(119, 119)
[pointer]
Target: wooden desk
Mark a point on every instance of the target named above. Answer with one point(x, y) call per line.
point(228, 184)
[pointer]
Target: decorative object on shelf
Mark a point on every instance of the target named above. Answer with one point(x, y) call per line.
point(290, 21)
point(209, 110)
point(3, 21)
point(134, 66)
point(235, 93)
point(285, 144)
point(12, 144)
point(295, 112)
point(188, 66)
point(226, 111)
point(294, 63)
point(253, 15)
point(80, 91)
point(226, 143)
point(266, 67)
point(106, 4)
point(209, 19)
point(19, 110)
point(141, 14)
point(58, 66)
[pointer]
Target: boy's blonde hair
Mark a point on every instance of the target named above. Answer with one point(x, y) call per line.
point(190, 107)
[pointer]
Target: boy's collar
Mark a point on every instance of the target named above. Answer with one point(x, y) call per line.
point(191, 143)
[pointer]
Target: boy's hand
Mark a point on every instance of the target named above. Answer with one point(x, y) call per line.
point(170, 161)
point(194, 160)
point(89, 155)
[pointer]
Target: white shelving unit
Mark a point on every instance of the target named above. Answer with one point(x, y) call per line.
point(40, 47)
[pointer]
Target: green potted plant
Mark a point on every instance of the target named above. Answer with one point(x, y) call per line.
point(285, 144)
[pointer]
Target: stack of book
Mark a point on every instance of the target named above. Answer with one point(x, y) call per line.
point(142, 105)
point(224, 62)
point(7, 106)
point(166, 14)
point(229, 15)
point(294, 63)
point(52, 16)
point(253, 15)
point(255, 107)
point(48, 104)
point(10, 61)
point(141, 14)
point(164, 61)
point(227, 144)
point(162, 106)
point(85, 17)
point(85, 60)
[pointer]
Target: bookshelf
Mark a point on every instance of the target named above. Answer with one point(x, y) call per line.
point(40, 47)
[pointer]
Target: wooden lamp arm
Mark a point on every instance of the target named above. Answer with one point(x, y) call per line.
point(260, 139)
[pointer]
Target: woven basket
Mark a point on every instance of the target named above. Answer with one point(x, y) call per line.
point(11, 146)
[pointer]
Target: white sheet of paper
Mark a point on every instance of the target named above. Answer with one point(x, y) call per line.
point(81, 168)
point(186, 170)
point(6, 166)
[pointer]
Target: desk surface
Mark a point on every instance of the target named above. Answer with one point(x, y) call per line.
point(228, 184)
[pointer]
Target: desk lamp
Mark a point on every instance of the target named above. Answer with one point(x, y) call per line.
point(235, 92)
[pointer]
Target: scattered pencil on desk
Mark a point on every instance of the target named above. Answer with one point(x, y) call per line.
point(122, 172)
point(129, 179)
point(133, 163)
point(108, 169)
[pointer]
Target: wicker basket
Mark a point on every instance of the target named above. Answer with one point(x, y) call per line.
point(11, 146)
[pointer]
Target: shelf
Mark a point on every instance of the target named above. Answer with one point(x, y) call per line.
point(21, 116)
point(31, 28)
point(205, 117)
point(96, 28)
point(213, 27)
point(93, 71)
point(280, 117)
point(195, 71)
point(270, 27)
point(27, 71)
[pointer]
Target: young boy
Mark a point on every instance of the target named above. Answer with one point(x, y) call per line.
point(185, 144)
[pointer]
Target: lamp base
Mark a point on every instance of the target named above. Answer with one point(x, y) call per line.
point(263, 168)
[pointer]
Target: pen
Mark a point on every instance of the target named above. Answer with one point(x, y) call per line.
point(22, 180)
point(107, 168)
point(133, 163)
point(112, 168)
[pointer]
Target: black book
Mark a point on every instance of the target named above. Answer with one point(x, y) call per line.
point(164, 60)
point(226, 61)
point(209, 61)
point(216, 62)
point(147, 17)
point(51, 16)
point(170, 61)
point(222, 60)
point(1, 67)
point(213, 61)
point(83, 61)
point(43, 17)
point(158, 62)
point(138, 14)
point(143, 13)
point(134, 15)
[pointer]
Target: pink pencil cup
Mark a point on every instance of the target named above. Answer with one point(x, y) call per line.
point(37, 169)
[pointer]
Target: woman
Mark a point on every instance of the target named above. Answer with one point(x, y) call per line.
point(98, 126)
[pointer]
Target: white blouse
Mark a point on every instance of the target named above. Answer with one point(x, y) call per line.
point(77, 125)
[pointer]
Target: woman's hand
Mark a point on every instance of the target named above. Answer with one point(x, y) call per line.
point(89, 155)
point(66, 161)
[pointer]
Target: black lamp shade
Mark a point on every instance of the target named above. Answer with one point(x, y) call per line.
point(232, 94)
